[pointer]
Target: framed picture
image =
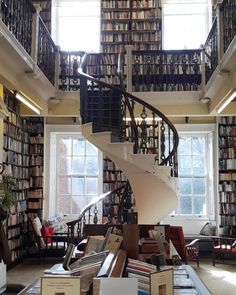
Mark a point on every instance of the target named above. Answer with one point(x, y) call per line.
point(161, 282)
point(60, 285)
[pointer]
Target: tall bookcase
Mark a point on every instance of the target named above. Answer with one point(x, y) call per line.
point(16, 162)
point(36, 150)
point(227, 175)
point(113, 178)
point(133, 22)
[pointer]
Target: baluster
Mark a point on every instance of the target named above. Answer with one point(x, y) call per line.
point(95, 215)
point(143, 135)
point(136, 69)
point(162, 131)
point(75, 75)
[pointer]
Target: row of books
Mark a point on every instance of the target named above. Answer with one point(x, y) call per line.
point(114, 175)
point(115, 15)
point(15, 132)
point(15, 119)
point(15, 219)
point(35, 194)
point(227, 186)
point(20, 172)
point(15, 145)
point(146, 37)
point(11, 157)
point(110, 186)
point(36, 149)
point(115, 4)
point(115, 26)
point(35, 205)
point(36, 171)
point(227, 220)
point(227, 130)
point(36, 182)
point(37, 139)
point(227, 142)
point(117, 37)
point(15, 243)
point(229, 197)
point(227, 176)
point(144, 25)
point(228, 209)
point(227, 120)
point(227, 153)
point(12, 232)
point(36, 160)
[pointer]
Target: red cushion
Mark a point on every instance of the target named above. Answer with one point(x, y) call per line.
point(47, 232)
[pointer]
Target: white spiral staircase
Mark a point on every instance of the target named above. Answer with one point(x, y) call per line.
point(153, 187)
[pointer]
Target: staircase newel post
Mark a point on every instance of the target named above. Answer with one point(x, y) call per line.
point(35, 33)
point(129, 49)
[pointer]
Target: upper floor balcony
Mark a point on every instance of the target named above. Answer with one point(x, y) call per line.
point(180, 82)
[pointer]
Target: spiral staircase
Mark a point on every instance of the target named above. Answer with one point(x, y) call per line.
point(145, 148)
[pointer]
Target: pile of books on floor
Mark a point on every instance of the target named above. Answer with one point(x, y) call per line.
point(140, 270)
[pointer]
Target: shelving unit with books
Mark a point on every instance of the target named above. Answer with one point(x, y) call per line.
point(36, 150)
point(130, 22)
point(227, 175)
point(113, 178)
point(16, 161)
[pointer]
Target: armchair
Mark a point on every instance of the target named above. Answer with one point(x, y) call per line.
point(47, 242)
point(187, 252)
point(223, 246)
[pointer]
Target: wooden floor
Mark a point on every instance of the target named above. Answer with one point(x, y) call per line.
point(220, 280)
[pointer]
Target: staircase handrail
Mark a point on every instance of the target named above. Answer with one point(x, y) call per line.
point(138, 100)
point(80, 220)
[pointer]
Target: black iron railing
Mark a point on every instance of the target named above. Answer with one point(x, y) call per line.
point(228, 9)
point(89, 214)
point(211, 51)
point(18, 17)
point(46, 59)
point(111, 108)
point(166, 70)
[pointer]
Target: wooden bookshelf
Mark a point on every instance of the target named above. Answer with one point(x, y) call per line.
point(16, 161)
point(227, 175)
point(36, 150)
point(130, 22)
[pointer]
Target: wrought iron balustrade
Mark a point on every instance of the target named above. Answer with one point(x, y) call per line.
point(89, 214)
point(228, 9)
point(111, 108)
point(166, 70)
point(211, 51)
point(18, 17)
point(46, 59)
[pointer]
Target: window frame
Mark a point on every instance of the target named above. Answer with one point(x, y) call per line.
point(209, 131)
point(50, 190)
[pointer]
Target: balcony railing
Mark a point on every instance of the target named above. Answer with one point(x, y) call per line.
point(179, 70)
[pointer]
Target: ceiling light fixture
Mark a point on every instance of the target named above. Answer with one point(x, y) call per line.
point(229, 97)
point(28, 102)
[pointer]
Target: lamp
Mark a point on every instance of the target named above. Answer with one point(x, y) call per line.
point(32, 105)
point(230, 96)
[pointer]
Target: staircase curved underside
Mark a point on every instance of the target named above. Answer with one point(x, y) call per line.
point(153, 188)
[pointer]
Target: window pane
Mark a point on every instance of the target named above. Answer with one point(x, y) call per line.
point(78, 146)
point(185, 165)
point(78, 185)
point(64, 204)
point(78, 203)
point(65, 146)
point(185, 186)
point(199, 205)
point(91, 186)
point(91, 149)
point(65, 165)
point(186, 205)
point(198, 145)
point(78, 165)
point(184, 146)
point(64, 185)
point(198, 165)
point(199, 186)
point(92, 165)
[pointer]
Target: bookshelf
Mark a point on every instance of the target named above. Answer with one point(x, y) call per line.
point(133, 22)
point(36, 149)
point(227, 175)
point(16, 161)
point(114, 178)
